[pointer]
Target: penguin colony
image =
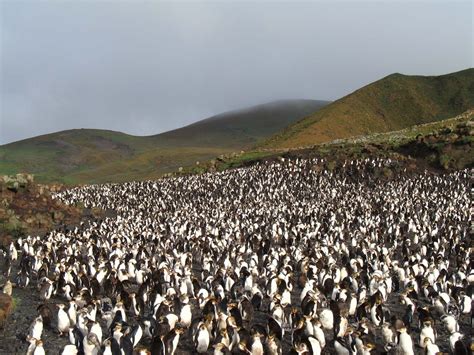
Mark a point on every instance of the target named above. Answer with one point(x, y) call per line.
point(282, 257)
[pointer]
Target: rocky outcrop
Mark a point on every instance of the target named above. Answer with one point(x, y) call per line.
point(16, 182)
point(6, 308)
point(28, 208)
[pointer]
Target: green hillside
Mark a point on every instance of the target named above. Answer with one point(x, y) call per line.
point(444, 145)
point(91, 155)
point(392, 103)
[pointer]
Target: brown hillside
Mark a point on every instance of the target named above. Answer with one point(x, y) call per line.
point(392, 103)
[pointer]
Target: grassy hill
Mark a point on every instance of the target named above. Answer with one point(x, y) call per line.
point(92, 155)
point(444, 145)
point(392, 103)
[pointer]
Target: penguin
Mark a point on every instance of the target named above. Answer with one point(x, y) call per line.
point(44, 311)
point(185, 315)
point(430, 347)
point(273, 345)
point(32, 344)
point(36, 328)
point(97, 330)
point(220, 349)
point(450, 323)
point(408, 316)
point(171, 340)
point(257, 298)
point(388, 336)
point(46, 290)
point(72, 313)
point(318, 332)
point(256, 345)
point(275, 329)
point(427, 331)
point(149, 326)
point(455, 343)
point(70, 349)
point(22, 280)
point(76, 338)
point(158, 346)
point(63, 320)
point(342, 346)
point(91, 344)
point(107, 347)
point(465, 304)
point(202, 339)
point(313, 345)
point(405, 343)
point(126, 345)
point(39, 349)
point(326, 317)
point(135, 334)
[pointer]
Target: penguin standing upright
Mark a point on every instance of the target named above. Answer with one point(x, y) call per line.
point(63, 320)
point(202, 339)
point(36, 328)
point(405, 343)
point(171, 340)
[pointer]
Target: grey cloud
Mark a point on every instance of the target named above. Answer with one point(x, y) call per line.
point(147, 67)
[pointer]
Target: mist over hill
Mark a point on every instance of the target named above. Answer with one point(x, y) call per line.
point(94, 155)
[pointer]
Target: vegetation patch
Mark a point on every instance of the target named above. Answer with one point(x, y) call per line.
point(392, 103)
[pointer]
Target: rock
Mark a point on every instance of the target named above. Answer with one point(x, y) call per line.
point(30, 178)
point(453, 137)
point(13, 185)
point(21, 180)
point(57, 216)
point(6, 308)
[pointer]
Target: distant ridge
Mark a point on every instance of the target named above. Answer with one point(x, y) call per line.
point(94, 155)
point(392, 103)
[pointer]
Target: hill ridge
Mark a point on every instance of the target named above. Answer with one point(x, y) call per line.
point(94, 155)
point(393, 102)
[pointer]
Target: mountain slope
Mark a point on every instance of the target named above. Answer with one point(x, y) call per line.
point(392, 103)
point(244, 127)
point(92, 155)
point(444, 145)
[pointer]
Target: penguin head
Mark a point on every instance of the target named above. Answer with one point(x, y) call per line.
point(369, 346)
point(426, 341)
point(92, 339)
point(179, 329)
point(39, 343)
point(220, 347)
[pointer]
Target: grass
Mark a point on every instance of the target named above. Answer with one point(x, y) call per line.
point(93, 156)
point(438, 145)
point(392, 103)
point(242, 159)
point(16, 302)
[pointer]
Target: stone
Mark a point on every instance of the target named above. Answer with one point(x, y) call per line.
point(6, 308)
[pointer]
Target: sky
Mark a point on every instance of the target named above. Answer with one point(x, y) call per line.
point(148, 67)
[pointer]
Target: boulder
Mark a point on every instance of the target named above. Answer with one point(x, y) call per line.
point(13, 185)
point(6, 308)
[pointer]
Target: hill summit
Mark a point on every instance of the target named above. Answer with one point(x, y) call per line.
point(392, 103)
point(94, 155)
